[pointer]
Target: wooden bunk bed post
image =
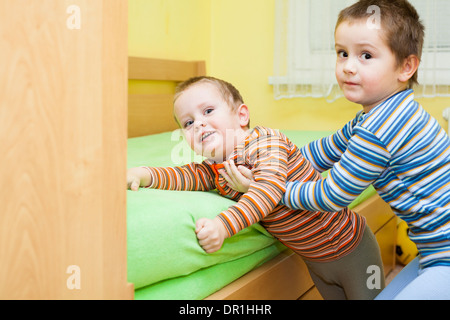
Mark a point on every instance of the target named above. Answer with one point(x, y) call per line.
point(63, 133)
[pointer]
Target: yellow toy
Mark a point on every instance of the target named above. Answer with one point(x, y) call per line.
point(406, 250)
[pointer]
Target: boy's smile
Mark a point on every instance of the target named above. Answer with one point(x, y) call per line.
point(366, 68)
point(206, 135)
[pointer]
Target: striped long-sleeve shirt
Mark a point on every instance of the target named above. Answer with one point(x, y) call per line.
point(273, 159)
point(400, 149)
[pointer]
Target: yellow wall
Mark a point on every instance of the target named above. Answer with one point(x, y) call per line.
point(171, 29)
point(236, 39)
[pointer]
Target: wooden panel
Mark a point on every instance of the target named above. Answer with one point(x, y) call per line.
point(286, 275)
point(149, 114)
point(160, 69)
point(114, 146)
point(312, 294)
point(63, 101)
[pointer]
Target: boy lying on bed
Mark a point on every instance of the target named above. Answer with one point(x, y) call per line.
point(337, 247)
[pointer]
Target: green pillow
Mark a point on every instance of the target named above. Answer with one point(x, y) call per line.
point(162, 243)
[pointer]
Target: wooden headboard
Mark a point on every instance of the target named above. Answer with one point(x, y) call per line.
point(152, 113)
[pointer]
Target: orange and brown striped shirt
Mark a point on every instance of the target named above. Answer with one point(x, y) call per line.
point(273, 159)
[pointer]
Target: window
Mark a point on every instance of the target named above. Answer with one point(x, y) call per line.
point(305, 57)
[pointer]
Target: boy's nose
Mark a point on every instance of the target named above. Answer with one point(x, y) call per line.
point(349, 66)
point(199, 123)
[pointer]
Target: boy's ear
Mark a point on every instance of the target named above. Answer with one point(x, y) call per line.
point(244, 115)
point(409, 67)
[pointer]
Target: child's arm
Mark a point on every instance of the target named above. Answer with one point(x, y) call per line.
point(189, 177)
point(267, 155)
point(365, 159)
point(211, 232)
point(324, 153)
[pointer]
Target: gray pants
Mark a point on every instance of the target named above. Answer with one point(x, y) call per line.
point(357, 276)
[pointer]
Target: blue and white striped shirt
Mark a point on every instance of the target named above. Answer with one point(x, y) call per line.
point(400, 149)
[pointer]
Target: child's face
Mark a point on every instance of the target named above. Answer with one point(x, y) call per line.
point(209, 124)
point(366, 68)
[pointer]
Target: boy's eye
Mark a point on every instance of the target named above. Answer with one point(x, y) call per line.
point(366, 56)
point(342, 54)
point(188, 123)
point(208, 110)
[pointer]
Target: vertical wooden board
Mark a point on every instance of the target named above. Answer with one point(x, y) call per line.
point(115, 100)
point(32, 244)
point(54, 133)
point(82, 157)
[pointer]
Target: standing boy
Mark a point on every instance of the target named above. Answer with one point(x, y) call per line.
point(393, 143)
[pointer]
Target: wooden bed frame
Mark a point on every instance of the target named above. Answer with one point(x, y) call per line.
point(285, 276)
point(152, 113)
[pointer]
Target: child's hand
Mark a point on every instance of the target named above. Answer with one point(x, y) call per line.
point(238, 178)
point(137, 177)
point(133, 183)
point(210, 234)
point(133, 180)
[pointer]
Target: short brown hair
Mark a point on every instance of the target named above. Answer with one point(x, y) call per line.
point(229, 93)
point(403, 30)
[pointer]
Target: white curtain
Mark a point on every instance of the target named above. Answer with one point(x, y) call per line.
point(304, 56)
